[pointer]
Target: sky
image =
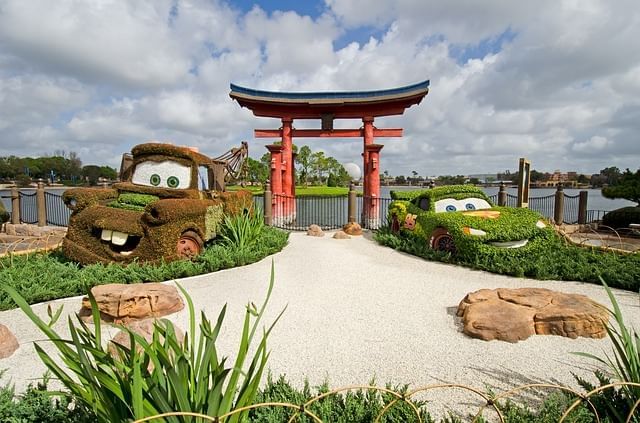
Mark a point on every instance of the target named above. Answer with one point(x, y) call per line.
point(555, 81)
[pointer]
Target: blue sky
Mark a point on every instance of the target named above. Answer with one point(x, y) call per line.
point(552, 81)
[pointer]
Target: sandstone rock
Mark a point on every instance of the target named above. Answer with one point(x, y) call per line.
point(123, 302)
point(143, 327)
point(352, 228)
point(515, 314)
point(341, 235)
point(8, 342)
point(315, 230)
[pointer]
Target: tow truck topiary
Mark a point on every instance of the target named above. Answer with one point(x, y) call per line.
point(171, 200)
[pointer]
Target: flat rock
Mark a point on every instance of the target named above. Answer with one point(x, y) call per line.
point(8, 342)
point(315, 230)
point(515, 314)
point(352, 228)
point(124, 302)
point(341, 235)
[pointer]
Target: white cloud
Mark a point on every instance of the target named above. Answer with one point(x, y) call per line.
point(100, 76)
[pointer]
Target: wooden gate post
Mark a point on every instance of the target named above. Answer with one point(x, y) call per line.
point(15, 206)
point(502, 195)
point(582, 207)
point(41, 205)
point(267, 205)
point(351, 205)
point(558, 207)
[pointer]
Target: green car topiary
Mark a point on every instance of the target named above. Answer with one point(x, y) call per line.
point(461, 220)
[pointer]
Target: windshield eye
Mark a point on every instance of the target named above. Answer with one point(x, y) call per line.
point(469, 206)
point(173, 182)
point(451, 208)
point(154, 180)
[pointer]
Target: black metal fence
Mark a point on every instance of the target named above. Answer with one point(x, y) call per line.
point(28, 207)
point(57, 212)
point(298, 213)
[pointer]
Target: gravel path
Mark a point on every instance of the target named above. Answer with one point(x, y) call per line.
point(357, 311)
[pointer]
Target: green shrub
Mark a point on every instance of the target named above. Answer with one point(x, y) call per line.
point(37, 405)
point(547, 257)
point(161, 376)
point(621, 218)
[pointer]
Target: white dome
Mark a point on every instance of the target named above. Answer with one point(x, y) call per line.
point(353, 170)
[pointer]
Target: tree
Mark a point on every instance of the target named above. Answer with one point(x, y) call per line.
point(319, 164)
point(304, 160)
point(257, 170)
point(627, 186)
point(611, 175)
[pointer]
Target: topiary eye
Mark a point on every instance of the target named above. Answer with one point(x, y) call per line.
point(155, 180)
point(470, 206)
point(173, 182)
point(451, 208)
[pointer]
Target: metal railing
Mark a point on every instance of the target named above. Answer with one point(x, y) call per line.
point(543, 205)
point(373, 212)
point(298, 213)
point(57, 212)
point(28, 208)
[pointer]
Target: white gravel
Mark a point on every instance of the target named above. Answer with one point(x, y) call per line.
point(358, 311)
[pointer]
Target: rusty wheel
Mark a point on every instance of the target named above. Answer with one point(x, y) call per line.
point(189, 245)
point(441, 240)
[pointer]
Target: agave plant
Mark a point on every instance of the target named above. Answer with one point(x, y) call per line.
point(165, 375)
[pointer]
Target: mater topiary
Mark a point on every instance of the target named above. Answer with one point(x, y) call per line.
point(166, 210)
point(4, 215)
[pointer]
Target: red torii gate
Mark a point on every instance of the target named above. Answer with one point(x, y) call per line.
point(327, 106)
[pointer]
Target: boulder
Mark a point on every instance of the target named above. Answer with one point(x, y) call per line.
point(315, 230)
point(8, 342)
point(123, 302)
point(515, 314)
point(341, 235)
point(352, 228)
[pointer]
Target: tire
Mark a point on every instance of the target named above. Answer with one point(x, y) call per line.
point(189, 245)
point(441, 240)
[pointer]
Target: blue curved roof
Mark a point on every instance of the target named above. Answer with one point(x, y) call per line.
point(330, 95)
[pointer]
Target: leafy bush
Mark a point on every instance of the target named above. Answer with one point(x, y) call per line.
point(43, 277)
point(37, 405)
point(621, 218)
point(4, 215)
point(242, 231)
point(624, 365)
point(161, 376)
point(548, 257)
point(353, 406)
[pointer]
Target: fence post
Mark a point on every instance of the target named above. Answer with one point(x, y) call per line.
point(582, 207)
point(502, 195)
point(41, 205)
point(558, 207)
point(15, 206)
point(268, 206)
point(351, 206)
